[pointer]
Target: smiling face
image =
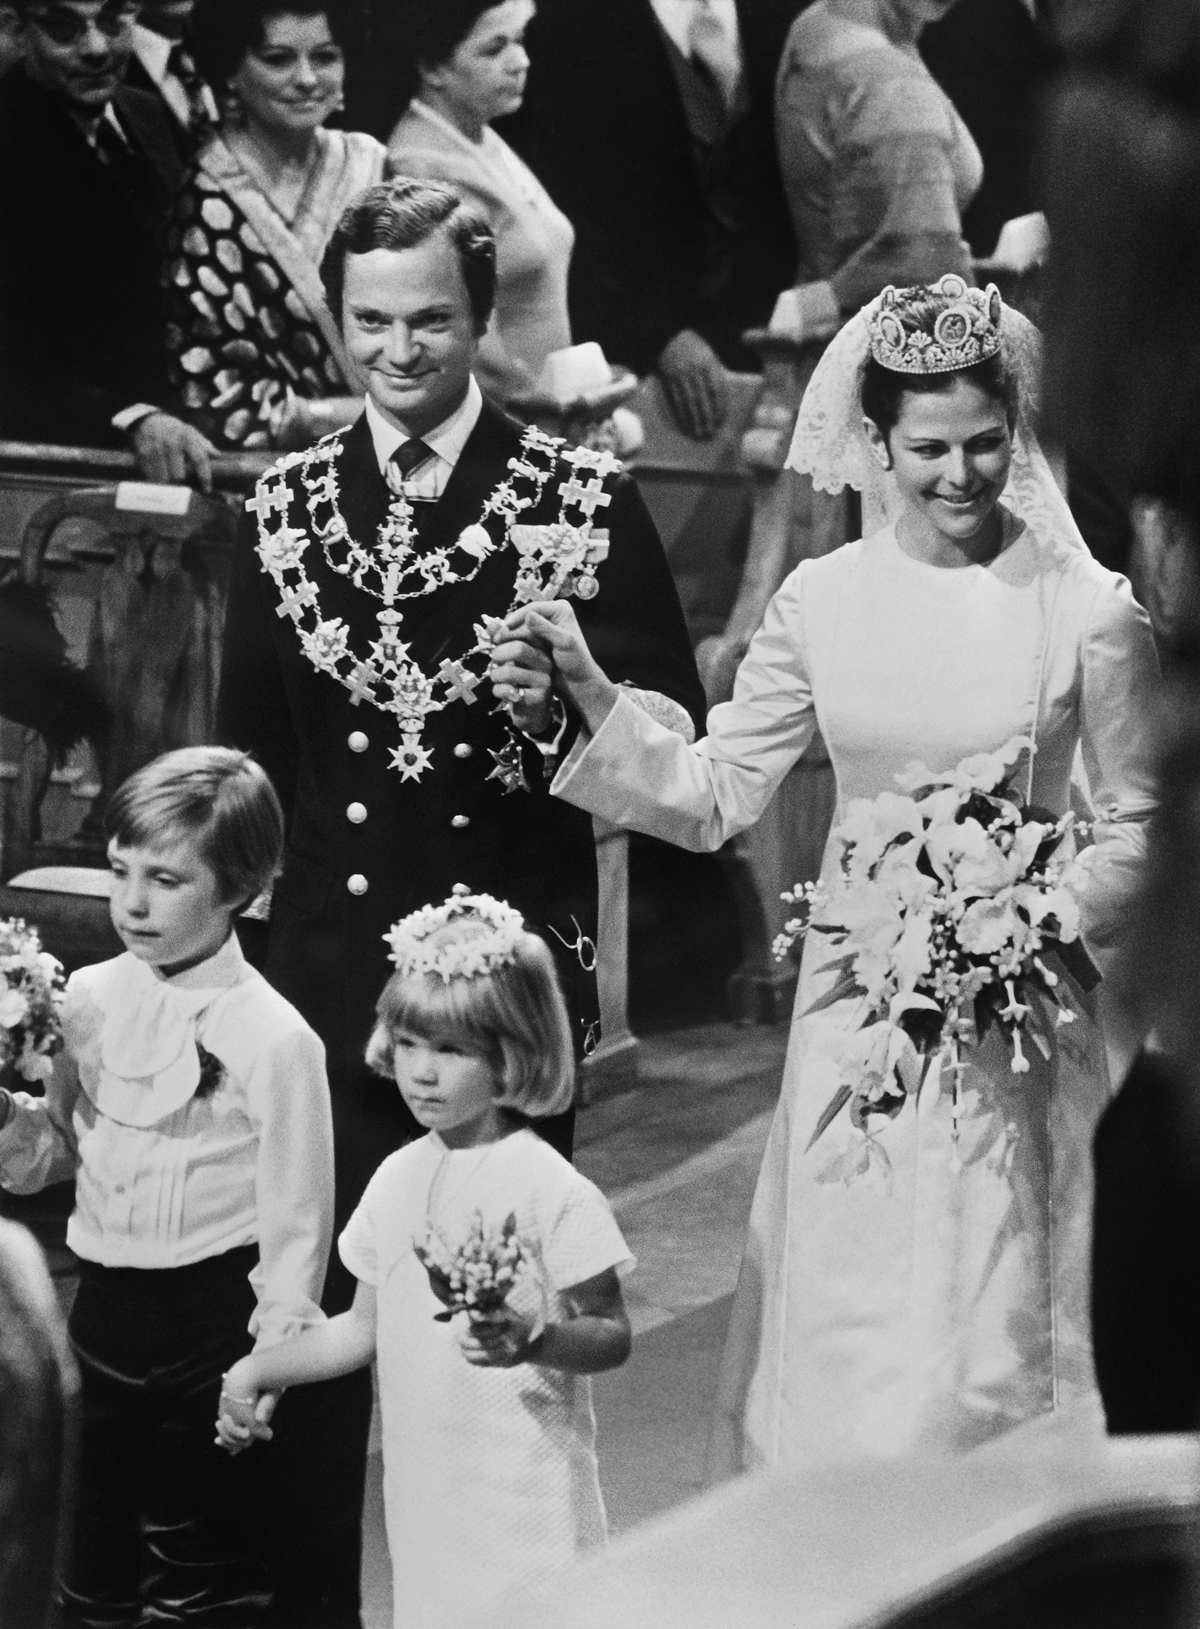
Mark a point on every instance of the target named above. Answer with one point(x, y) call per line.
point(408, 324)
point(292, 82)
point(950, 452)
point(78, 49)
point(448, 1090)
point(166, 904)
point(484, 77)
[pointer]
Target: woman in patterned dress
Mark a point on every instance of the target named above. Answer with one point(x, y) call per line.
point(256, 357)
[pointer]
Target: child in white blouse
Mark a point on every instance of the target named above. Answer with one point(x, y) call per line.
point(191, 1106)
point(490, 1472)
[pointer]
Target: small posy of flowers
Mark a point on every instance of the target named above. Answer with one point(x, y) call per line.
point(31, 993)
point(957, 907)
point(477, 1275)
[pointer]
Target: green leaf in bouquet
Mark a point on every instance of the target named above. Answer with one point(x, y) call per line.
point(847, 985)
point(830, 1113)
point(1073, 957)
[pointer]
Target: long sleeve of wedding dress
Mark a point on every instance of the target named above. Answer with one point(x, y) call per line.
point(636, 773)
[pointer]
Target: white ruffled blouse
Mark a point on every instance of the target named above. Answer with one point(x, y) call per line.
point(167, 1174)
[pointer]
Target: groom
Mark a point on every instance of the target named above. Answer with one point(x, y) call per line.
point(382, 817)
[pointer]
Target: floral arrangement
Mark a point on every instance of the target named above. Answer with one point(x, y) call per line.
point(415, 948)
point(953, 902)
point(31, 993)
point(478, 1276)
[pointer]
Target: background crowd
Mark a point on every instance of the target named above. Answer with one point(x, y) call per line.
point(657, 173)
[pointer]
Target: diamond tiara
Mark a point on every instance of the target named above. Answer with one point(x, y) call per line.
point(965, 331)
point(472, 956)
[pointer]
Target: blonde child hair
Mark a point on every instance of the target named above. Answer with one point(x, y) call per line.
point(216, 798)
point(513, 1014)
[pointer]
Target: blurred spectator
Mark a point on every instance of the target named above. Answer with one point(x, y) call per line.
point(88, 173)
point(650, 124)
point(37, 1384)
point(471, 64)
point(877, 165)
point(1121, 169)
point(163, 65)
point(255, 355)
point(995, 62)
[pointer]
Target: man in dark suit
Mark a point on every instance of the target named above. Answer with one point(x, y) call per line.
point(386, 812)
point(651, 124)
point(163, 66)
point(89, 167)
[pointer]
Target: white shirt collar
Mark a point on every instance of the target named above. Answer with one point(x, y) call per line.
point(675, 20)
point(153, 51)
point(446, 441)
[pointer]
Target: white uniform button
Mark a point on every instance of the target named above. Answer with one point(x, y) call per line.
point(460, 821)
point(358, 741)
point(464, 749)
point(356, 813)
point(357, 884)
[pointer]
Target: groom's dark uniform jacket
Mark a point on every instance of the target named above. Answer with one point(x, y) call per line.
point(326, 952)
point(456, 824)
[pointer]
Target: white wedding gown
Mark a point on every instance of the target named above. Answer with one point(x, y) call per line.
point(908, 1305)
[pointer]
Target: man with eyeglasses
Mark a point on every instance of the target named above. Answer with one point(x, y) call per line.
point(89, 166)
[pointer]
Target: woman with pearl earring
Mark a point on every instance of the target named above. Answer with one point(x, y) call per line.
point(256, 358)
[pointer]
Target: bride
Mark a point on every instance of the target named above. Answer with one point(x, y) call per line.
point(939, 1296)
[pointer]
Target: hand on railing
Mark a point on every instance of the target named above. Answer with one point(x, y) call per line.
point(170, 451)
point(693, 377)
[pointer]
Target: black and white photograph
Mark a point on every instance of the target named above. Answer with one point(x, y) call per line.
point(600, 814)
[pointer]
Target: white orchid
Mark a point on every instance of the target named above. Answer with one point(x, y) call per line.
point(944, 919)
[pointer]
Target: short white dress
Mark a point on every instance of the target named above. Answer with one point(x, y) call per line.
point(490, 1475)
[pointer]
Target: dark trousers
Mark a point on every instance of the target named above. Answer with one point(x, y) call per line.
point(162, 1515)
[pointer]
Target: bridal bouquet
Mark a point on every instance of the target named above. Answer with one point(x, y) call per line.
point(954, 901)
point(31, 992)
point(478, 1275)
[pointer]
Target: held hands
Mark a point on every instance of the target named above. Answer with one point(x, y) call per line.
point(548, 630)
point(521, 675)
point(169, 450)
point(245, 1412)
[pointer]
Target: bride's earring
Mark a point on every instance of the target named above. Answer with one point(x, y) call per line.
point(877, 444)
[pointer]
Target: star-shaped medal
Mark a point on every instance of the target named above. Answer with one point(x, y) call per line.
point(508, 770)
point(411, 759)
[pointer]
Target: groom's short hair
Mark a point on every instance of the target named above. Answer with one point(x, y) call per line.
point(401, 214)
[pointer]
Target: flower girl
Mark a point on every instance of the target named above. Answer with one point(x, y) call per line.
point(487, 1272)
point(191, 1106)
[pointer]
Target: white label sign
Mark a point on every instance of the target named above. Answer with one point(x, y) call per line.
point(147, 498)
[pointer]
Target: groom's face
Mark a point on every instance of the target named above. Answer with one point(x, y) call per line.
point(408, 324)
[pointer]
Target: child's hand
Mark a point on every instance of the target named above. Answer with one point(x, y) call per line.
point(245, 1412)
point(500, 1340)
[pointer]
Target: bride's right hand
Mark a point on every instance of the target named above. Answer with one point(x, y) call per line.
point(552, 625)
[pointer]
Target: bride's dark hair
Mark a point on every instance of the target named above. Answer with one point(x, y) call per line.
point(883, 389)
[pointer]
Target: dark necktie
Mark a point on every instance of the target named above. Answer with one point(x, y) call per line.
point(133, 175)
point(408, 456)
point(184, 69)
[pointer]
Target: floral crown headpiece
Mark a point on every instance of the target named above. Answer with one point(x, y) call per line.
point(965, 331)
point(468, 958)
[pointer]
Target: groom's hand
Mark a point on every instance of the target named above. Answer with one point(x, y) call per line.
point(521, 678)
point(551, 626)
